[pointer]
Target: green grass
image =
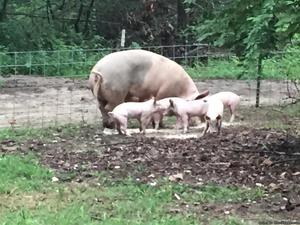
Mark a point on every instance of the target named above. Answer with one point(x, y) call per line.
point(20, 134)
point(126, 203)
point(78, 63)
point(214, 193)
point(284, 118)
point(216, 69)
point(232, 68)
point(21, 174)
point(103, 201)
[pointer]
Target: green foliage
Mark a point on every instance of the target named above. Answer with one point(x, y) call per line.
point(285, 65)
point(48, 26)
point(21, 174)
point(230, 68)
point(250, 28)
point(69, 61)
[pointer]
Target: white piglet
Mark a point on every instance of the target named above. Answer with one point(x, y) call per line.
point(214, 115)
point(185, 110)
point(229, 100)
point(142, 111)
point(157, 117)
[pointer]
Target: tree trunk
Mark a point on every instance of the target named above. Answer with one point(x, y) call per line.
point(3, 10)
point(181, 15)
point(76, 25)
point(49, 11)
point(62, 5)
point(88, 14)
point(258, 79)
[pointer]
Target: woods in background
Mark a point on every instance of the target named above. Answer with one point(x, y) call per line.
point(245, 27)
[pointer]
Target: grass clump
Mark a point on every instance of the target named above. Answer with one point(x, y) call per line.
point(20, 134)
point(216, 69)
point(110, 202)
point(221, 194)
point(22, 174)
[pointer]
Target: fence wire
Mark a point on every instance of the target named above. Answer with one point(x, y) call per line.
point(54, 97)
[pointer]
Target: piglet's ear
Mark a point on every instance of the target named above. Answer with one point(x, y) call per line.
point(218, 117)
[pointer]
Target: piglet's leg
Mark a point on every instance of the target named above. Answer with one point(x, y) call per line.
point(185, 122)
point(178, 123)
point(219, 121)
point(206, 128)
point(145, 120)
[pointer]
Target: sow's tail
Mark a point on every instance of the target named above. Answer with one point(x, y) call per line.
point(95, 81)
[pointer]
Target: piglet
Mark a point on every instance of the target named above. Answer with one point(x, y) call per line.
point(142, 111)
point(213, 115)
point(185, 110)
point(230, 100)
point(157, 117)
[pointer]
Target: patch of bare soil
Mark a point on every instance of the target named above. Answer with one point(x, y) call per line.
point(241, 156)
point(40, 101)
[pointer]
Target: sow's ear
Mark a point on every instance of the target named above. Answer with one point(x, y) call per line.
point(202, 94)
point(171, 103)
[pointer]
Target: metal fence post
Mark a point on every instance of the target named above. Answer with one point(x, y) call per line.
point(30, 63)
point(72, 58)
point(44, 63)
point(15, 55)
point(58, 63)
point(258, 79)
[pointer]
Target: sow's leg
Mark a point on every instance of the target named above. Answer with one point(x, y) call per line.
point(106, 121)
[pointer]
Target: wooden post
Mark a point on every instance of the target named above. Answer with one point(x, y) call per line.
point(123, 38)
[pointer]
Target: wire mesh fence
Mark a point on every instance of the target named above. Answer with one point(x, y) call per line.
point(39, 88)
point(77, 62)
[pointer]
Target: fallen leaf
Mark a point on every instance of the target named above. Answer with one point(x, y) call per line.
point(259, 185)
point(273, 187)
point(176, 177)
point(267, 162)
point(282, 176)
point(177, 196)
point(55, 179)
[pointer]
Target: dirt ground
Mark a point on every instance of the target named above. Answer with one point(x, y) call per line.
point(243, 155)
point(40, 101)
point(240, 156)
